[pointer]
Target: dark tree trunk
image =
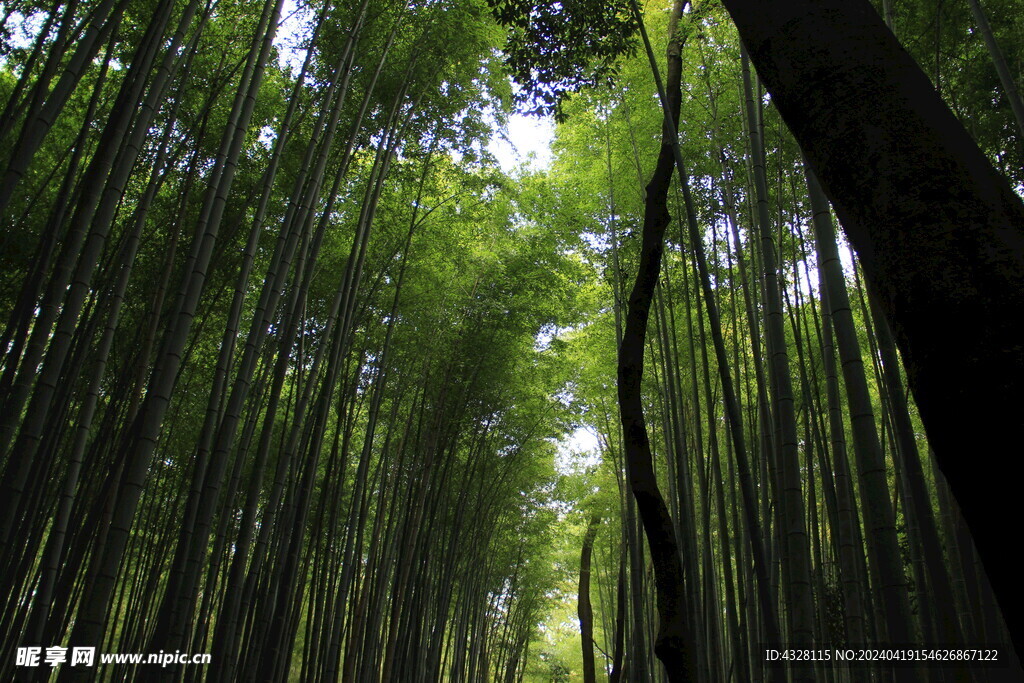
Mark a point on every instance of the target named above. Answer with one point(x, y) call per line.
point(585, 611)
point(620, 622)
point(939, 232)
point(673, 642)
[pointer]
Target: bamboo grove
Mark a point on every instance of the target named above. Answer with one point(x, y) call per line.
point(294, 374)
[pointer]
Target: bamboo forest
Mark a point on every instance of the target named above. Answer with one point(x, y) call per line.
point(305, 376)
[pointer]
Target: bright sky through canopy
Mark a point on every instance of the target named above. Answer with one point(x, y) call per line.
point(528, 141)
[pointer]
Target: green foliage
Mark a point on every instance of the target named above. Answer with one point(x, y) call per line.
point(424, 461)
point(556, 48)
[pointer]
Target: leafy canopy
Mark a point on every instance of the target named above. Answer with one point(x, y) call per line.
point(556, 47)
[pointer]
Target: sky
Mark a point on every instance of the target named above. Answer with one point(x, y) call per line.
point(528, 141)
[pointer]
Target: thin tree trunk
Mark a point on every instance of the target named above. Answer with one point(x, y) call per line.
point(1010, 90)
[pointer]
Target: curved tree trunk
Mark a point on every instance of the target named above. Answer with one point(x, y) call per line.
point(585, 611)
point(673, 641)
